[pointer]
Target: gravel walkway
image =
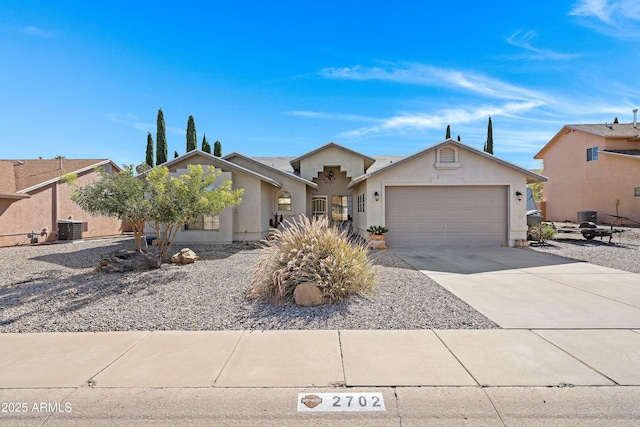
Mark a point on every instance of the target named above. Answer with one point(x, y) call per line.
point(623, 253)
point(51, 288)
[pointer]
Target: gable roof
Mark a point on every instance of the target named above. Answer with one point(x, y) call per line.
point(223, 163)
point(279, 171)
point(604, 130)
point(531, 176)
point(295, 163)
point(19, 177)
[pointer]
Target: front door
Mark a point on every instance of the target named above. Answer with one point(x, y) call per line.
point(318, 206)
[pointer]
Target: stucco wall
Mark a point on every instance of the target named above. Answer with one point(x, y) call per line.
point(42, 210)
point(601, 185)
point(348, 162)
point(474, 170)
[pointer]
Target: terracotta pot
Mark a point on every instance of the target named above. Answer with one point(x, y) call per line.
point(376, 237)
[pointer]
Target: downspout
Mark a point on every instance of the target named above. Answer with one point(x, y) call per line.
point(54, 209)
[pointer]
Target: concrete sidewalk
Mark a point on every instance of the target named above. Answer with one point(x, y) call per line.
point(241, 377)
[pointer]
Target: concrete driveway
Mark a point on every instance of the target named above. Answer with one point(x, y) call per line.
point(518, 288)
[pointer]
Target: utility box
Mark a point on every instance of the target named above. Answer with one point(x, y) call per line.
point(69, 229)
point(587, 216)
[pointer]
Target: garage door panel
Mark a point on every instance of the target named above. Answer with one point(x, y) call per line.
point(446, 216)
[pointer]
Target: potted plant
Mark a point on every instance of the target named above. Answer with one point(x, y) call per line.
point(377, 232)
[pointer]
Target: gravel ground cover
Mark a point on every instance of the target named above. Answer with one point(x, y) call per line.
point(55, 288)
point(623, 253)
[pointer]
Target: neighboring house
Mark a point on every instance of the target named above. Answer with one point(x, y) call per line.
point(593, 167)
point(32, 199)
point(447, 194)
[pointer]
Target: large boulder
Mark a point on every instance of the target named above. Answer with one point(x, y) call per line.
point(308, 295)
point(185, 256)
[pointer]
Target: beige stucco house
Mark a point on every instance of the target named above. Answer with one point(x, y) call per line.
point(447, 194)
point(593, 167)
point(33, 200)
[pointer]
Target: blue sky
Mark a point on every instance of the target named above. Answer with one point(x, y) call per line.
point(85, 79)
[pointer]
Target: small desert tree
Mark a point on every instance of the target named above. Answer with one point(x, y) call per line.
point(118, 195)
point(175, 202)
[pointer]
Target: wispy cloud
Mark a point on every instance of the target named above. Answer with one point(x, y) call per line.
point(419, 122)
point(35, 31)
point(332, 116)
point(427, 75)
point(522, 39)
point(616, 18)
point(132, 120)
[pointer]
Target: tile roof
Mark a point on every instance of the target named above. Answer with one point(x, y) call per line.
point(19, 175)
point(610, 130)
point(284, 163)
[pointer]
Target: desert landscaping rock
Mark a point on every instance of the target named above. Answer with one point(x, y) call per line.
point(185, 256)
point(50, 288)
point(308, 295)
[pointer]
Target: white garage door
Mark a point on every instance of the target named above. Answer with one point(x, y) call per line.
point(446, 216)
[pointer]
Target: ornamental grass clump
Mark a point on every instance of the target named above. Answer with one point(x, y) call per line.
point(306, 251)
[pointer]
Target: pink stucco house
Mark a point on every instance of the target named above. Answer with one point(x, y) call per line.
point(593, 167)
point(32, 199)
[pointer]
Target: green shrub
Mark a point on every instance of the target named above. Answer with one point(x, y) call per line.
point(306, 251)
point(542, 233)
point(377, 230)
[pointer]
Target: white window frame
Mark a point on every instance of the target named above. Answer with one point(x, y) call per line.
point(282, 195)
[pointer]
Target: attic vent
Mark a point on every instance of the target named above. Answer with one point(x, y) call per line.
point(447, 155)
point(447, 158)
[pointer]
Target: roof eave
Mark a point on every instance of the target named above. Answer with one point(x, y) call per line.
point(295, 177)
point(78, 171)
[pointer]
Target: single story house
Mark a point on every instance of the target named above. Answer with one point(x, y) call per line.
point(33, 200)
point(447, 194)
point(593, 168)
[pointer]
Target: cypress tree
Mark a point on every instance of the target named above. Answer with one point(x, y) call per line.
point(206, 147)
point(191, 134)
point(448, 135)
point(488, 146)
point(149, 159)
point(217, 149)
point(161, 139)
point(458, 138)
point(175, 154)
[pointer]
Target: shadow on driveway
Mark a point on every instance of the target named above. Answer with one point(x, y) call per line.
point(473, 260)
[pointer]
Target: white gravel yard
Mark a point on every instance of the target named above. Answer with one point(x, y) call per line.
point(51, 288)
point(623, 253)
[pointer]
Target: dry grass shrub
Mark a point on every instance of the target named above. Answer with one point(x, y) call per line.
point(306, 251)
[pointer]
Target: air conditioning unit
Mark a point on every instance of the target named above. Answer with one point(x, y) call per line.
point(69, 229)
point(587, 216)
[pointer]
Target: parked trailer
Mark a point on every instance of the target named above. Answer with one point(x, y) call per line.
point(590, 230)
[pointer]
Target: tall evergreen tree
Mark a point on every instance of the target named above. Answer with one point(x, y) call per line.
point(217, 149)
point(149, 159)
point(458, 138)
point(488, 145)
point(175, 154)
point(161, 139)
point(206, 147)
point(192, 144)
point(448, 135)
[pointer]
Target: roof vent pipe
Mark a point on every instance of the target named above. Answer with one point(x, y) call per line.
point(635, 116)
